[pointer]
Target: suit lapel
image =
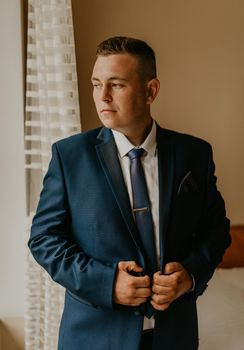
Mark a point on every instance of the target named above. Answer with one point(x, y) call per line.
point(107, 154)
point(108, 157)
point(166, 159)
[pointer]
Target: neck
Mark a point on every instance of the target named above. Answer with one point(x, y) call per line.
point(140, 134)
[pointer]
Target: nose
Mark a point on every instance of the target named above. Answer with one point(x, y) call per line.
point(106, 94)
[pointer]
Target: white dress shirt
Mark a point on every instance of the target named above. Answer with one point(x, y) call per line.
point(149, 162)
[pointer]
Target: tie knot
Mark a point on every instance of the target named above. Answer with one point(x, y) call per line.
point(135, 153)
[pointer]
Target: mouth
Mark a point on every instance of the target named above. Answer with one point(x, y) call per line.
point(106, 110)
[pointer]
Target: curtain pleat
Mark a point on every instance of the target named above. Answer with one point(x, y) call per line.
point(52, 113)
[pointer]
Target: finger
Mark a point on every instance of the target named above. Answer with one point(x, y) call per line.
point(135, 268)
point(160, 307)
point(129, 266)
point(141, 282)
point(161, 299)
point(162, 280)
point(172, 267)
point(143, 292)
point(137, 301)
point(158, 289)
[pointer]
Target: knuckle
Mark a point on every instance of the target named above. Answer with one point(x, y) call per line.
point(172, 294)
point(157, 279)
point(120, 264)
point(174, 279)
point(130, 283)
point(175, 282)
point(155, 288)
point(147, 292)
point(161, 307)
point(165, 306)
point(157, 298)
point(148, 279)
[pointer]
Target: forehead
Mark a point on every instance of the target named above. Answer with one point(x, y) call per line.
point(118, 65)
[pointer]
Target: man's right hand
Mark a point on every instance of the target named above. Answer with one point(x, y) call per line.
point(130, 290)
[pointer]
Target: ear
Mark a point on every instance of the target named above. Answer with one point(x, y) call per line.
point(153, 87)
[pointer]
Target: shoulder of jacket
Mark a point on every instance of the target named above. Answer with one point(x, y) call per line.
point(184, 140)
point(83, 138)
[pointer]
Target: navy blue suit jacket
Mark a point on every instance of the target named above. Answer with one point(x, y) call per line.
point(84, 226)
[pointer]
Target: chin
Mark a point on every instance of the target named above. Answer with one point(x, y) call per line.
point(109, 123)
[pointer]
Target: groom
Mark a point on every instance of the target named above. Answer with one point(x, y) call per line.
point(129, 221)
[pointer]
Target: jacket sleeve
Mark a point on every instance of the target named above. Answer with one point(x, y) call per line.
point(213, 236)
point(52, 245)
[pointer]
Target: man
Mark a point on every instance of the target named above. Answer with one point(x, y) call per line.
point(129, 221)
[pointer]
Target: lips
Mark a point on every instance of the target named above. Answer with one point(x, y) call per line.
point(106, 110)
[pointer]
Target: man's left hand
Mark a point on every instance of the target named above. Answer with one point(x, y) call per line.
point(169, 286)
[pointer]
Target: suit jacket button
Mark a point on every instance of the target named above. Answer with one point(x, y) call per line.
point(137, 313)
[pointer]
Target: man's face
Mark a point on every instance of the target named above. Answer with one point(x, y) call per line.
point(119, 93)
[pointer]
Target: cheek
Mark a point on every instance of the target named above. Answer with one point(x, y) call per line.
point(127, 103)
point(95, 100)
point(136, 105)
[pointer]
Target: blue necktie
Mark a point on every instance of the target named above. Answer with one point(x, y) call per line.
point(143, 215)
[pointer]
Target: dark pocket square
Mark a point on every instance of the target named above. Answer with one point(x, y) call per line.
point(188, 184)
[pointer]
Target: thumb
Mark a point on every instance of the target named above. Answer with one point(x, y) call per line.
point(129, 266)
point(172, 267)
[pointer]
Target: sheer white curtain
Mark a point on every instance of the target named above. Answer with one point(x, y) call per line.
point(52, 113)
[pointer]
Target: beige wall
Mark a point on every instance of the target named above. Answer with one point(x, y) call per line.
point(200, 51)
point(12, 184)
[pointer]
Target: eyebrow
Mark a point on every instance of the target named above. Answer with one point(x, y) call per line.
point(110, 79)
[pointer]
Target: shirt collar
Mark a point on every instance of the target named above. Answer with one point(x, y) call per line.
point(124, 145)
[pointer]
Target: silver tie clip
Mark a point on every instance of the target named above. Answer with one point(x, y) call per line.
point(140, 209)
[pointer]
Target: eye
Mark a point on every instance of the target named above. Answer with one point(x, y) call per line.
point(117, 86)
point(96, 85)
